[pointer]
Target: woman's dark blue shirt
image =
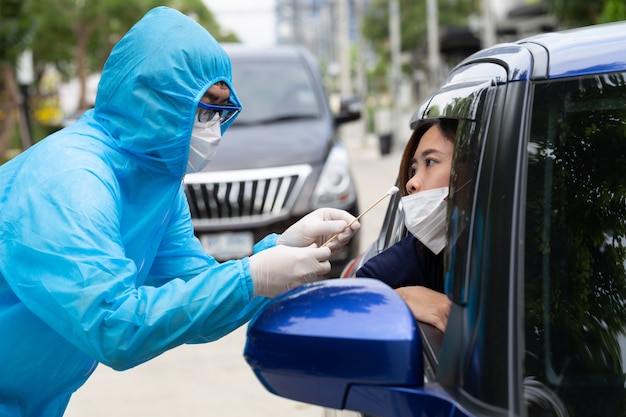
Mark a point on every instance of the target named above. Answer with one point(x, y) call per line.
point(406, 263)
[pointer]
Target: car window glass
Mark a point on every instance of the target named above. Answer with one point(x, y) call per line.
point(472, 111)
point(575, 248)
point(274, 90)
point(457, 99)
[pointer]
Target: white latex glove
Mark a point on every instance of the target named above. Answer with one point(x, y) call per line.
point(318, 226)
point(280, 268)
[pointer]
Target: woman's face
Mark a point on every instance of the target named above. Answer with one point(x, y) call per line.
point(431, 163)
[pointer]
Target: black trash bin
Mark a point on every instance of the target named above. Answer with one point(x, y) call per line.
point(384, 141)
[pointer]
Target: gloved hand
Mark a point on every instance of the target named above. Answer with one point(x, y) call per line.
point(318, 226)
point(280, 268)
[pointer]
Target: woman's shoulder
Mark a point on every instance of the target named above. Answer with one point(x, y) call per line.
point(395, 265)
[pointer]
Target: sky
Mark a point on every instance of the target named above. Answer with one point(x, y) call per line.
point(252, 20)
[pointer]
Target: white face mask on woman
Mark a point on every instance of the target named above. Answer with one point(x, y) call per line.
point(205, 138)
point(425, 217)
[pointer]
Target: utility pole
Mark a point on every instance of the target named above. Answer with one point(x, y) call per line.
point(345, 67)
point(361, 78)
point(396, 70)
point(489, 31)
point(25, 78)
point(432, 25)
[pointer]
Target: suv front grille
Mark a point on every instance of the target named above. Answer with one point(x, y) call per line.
point(257, 196)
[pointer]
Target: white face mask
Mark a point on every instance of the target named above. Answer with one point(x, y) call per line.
point(205, 138)
point(425, 217)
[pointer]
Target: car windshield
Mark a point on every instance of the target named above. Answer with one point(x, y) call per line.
point(273, 91)
point(575, 248)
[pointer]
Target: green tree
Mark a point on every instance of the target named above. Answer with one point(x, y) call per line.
point(413, 27)
point(77, 36)
point(574, 13)
point(14, 35)
point(14, 29)
point(454, 13)
point(74, 36)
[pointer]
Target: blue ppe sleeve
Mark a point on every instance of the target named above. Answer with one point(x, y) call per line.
point(68, 264)
point(268, 241)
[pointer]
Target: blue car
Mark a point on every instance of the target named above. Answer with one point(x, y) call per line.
point(535, 265)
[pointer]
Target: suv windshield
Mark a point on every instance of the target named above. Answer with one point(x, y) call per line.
point(575, 241)
point(273, 91)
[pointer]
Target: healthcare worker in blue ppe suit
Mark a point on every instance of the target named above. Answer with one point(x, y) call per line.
point(98, 260)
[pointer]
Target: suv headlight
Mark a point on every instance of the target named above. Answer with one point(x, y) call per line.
point(335, 187)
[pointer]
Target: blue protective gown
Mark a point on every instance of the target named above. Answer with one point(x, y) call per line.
point(98, 260)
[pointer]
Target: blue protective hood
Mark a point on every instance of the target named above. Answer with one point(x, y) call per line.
point(98, 259)
point(152, 83)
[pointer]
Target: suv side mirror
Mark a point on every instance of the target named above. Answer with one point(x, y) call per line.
point(350, 109)
point(323, 341)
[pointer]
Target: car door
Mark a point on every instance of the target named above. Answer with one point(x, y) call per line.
point(573, 279)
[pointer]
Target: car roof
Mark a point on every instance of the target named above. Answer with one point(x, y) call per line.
point(574, 52)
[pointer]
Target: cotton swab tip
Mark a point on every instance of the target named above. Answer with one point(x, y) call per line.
point(392, 190)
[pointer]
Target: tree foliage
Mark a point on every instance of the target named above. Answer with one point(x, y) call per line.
point(62, 26)
point(413, 28)
point(455, 13)
point(413, 21)
point(73, 36)
point(14, 29)
point(77, 36)
point(574, 13)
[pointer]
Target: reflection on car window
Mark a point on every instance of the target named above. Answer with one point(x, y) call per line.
point(467, 154)
point(575, 248)
point(273, 91)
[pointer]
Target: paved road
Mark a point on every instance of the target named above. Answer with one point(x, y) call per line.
point(213, 379)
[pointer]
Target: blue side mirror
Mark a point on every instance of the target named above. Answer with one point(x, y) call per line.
point(317, 342)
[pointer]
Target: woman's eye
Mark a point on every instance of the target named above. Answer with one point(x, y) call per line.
point(429, 162)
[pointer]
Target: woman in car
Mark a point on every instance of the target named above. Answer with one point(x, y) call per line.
point(414, 265)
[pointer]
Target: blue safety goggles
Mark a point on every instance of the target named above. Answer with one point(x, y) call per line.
point(207, 112)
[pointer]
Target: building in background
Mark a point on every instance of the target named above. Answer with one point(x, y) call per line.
point(317, 24)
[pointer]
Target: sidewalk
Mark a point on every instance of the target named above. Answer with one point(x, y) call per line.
point(192, 380)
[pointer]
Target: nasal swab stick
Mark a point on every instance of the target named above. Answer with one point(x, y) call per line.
point(391, 191)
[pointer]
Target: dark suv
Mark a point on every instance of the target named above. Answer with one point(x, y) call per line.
point(535, 263)
point(279, 160)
